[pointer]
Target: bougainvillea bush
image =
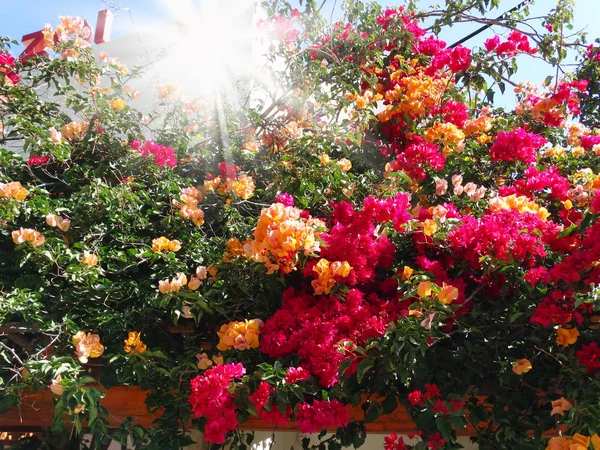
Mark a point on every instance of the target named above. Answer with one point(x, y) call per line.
point(374, 232)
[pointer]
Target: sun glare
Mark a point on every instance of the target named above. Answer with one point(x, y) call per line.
point(213, 44)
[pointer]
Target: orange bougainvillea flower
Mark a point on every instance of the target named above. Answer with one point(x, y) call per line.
point(447, 294)
point(117, 103)
point(344, 164)
point(218, 359)
point(281, 235)
point(163, 243)
point(582, 440)
point(406, 273)
point(134, 344)
point(203, 361)
point(595, 441)
point(191, 197)
point(32, 237)
point(429, 227)
point(166, 286)
point(239, 335)
point(13, 190)
point(87, 345)
point(89, 259)
point(522, 366)
point(326, 273)
point(424, 289)
point(566, 336)
point(59, 222)
point(324, 159)
point(560, 406)
point(56, 387)
point(194, 283)
point(74, 130)
point(559, 443)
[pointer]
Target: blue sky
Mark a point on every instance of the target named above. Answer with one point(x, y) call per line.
point(23, 17)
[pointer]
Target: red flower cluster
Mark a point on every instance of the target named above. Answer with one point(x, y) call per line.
point(163, 155)
point(7, 63)
point(260, 399)
point(295, 375)
point(316, 328)
point(285, 199)
point(227, 170)
point(393, 442)
point(35, 160)
point(516, 43)
point(435, 441)
point(588, 142)
point(516, 145)
point(352, 238)
point(556, 308)
point(593, 53)
point(321, 415)
point(281, 27)
point(415, 156)
point(210, 398)
point(390, 17)
point(502, 235)
point(589, 356)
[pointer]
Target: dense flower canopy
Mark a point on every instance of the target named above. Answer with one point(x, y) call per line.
point(382, 235)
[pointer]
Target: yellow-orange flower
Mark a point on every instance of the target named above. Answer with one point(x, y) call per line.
point(197, 216)
point(326, 271)
point(117, 103)
point(211, 185)
point(203, 361)
point(579, 439)
point(406, 273)
point(56, 387)
point(519, 203)
point(212, 271)
point(166, 286)
point(32, 237)
point(234, 248)
point(447, 294)
point(595, 441)
point(74, 130)
point(87, 345)
point(344, 164)
point(280, 236)
point(522, 366)
point(566, 336)
point(242, 186)
point(324, 159)
point(447, 133)
point(163, 243)
point(429, 227)
point(59, 222)
point(89, 259)
point(13, 190)
point(134, 344)
point(166, 90)
point(239, 335)
point(559, 443)
point(424, 289)
point(560, 406)
point(361, 103)
point(194, 283)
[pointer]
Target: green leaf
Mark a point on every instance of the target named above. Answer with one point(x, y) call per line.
point(363, 368)
point(389, 404)
point(7, 402)
point(374, 411)
point(443, 425)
